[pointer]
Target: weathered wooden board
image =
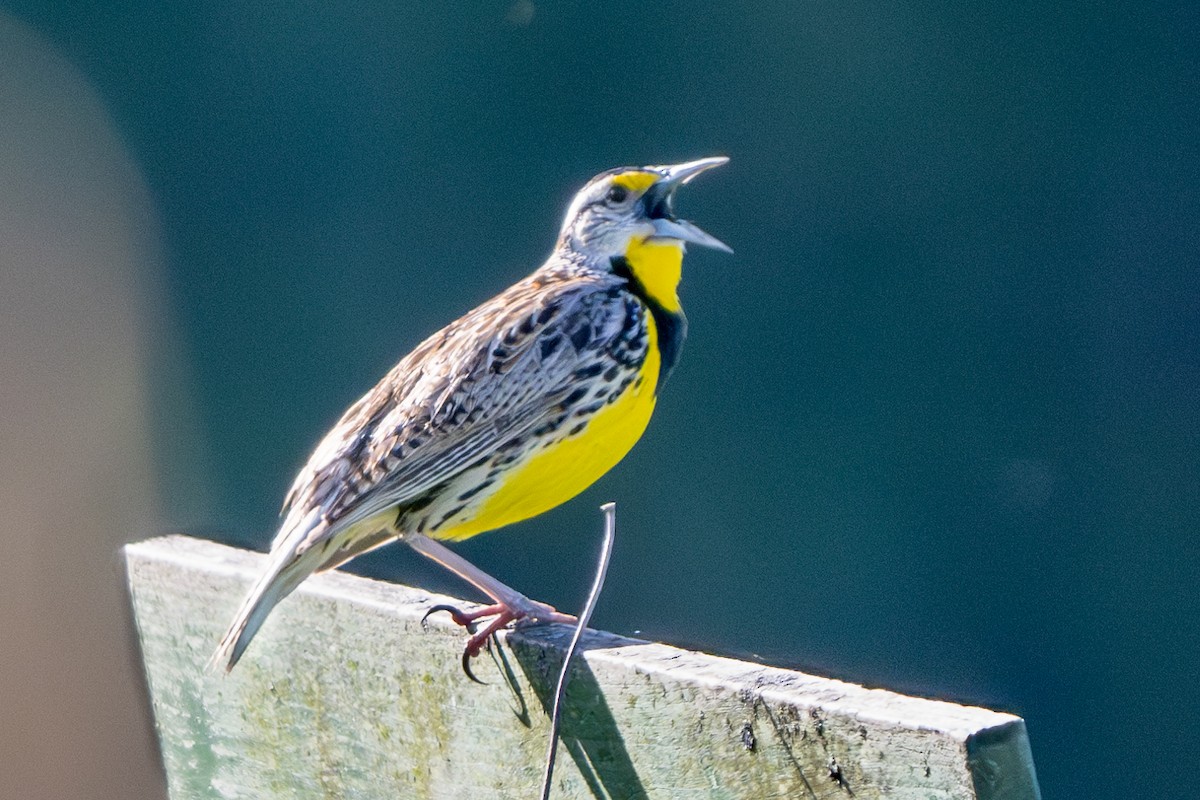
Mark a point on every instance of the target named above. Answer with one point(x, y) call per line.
point(345, 694)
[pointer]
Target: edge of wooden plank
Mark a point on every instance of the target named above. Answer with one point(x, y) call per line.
point(994, 744)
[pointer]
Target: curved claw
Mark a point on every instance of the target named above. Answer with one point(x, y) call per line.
point(457, 615)
point(466, 665)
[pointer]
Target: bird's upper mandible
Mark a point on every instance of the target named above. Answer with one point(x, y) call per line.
point(633, 204)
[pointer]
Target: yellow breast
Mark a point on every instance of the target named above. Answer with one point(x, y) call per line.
point(549, 477)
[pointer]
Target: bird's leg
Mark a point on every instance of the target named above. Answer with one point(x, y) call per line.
point(510, 605)
point(504, 596)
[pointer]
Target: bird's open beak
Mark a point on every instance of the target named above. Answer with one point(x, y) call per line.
point(660, 196)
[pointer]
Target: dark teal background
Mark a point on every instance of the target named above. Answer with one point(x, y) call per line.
point(935, 427)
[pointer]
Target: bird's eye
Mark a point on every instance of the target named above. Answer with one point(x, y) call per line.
point(616, 194)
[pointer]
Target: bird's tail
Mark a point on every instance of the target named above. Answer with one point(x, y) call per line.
point(288, 567)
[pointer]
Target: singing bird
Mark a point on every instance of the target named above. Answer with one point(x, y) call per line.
point(507, 412)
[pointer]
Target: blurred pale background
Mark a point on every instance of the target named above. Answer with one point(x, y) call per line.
point(80, 268)
point(936, 426)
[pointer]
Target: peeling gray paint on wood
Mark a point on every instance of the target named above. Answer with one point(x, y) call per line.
point(345, 694)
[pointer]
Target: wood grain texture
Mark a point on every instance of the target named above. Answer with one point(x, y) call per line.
point(345, 694)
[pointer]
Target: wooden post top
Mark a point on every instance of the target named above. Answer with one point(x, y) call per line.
point(345, 694)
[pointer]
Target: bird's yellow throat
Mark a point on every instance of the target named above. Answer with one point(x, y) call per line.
point(657, 266)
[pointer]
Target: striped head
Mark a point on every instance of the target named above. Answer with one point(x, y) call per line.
point(629, 206)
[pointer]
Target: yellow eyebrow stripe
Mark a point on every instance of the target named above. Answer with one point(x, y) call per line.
point(635, 180)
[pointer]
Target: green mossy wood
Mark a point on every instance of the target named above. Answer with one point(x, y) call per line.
point(346, 694)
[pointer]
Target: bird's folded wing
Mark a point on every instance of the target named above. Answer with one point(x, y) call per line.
point(491, 377)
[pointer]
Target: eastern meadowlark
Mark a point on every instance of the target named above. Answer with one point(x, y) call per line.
point(506, 412)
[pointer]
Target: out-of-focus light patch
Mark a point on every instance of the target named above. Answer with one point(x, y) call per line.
point(520, 14)
point(82, 333)
point(1026, 483)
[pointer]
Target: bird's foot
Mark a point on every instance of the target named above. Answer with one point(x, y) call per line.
point(522, 612)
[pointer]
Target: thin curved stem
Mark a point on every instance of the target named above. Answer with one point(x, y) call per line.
point(610, 531)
